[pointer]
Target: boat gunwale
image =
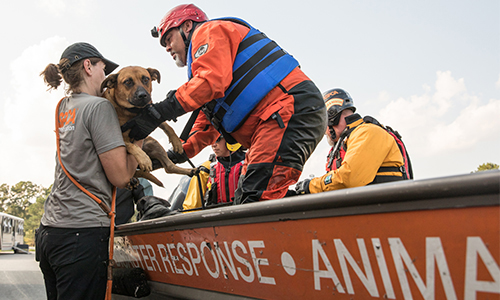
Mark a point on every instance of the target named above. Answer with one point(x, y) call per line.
point(458, 191)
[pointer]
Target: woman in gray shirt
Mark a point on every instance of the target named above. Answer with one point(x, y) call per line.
point(74, 232)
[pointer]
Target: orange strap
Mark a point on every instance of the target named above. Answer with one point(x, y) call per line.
point(110, 212)
point(111, 263)
point(103, 205)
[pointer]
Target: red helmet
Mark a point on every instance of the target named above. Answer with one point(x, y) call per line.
point(175, 17)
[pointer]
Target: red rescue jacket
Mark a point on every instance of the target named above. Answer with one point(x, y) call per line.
point(224, 176)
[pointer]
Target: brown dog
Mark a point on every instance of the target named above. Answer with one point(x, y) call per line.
point(130, 90)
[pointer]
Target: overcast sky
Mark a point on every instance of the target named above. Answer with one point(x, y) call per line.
point(430, 69)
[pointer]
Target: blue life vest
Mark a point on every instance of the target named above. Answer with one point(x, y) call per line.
point(260, 65)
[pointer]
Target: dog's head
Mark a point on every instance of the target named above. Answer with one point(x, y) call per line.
point(131, 86)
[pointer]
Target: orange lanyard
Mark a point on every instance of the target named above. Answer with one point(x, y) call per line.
point(110, 212)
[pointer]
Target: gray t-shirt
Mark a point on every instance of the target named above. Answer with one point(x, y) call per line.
point(89, 127)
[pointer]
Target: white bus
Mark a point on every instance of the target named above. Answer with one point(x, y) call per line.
point(12, 233)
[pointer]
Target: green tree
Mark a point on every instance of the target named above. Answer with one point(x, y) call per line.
point(25, 200)
point(33, 216)
point(21, 195)
point(4, 197)
point(486, 166)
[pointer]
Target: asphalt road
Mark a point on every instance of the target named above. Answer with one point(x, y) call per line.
point(20, 277)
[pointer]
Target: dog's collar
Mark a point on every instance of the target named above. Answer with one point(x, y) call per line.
point(134, 110)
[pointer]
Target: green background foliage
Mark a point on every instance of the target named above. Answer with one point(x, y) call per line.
point(486, 166)
point(25, 200)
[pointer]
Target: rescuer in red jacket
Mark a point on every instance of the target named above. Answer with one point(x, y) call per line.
point(249, 89)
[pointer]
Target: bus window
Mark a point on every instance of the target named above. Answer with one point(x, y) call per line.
point(20, 228)
point(6, 225)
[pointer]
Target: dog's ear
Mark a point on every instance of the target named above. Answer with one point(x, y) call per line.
point(155, 74)
point(109, 82)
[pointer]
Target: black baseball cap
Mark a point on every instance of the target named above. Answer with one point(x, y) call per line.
point(79, 51)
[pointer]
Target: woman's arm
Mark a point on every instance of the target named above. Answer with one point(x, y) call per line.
point(119, 165)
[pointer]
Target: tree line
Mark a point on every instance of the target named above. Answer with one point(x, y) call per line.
point(26, 200)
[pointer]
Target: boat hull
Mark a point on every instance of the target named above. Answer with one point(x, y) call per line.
point(428, 239)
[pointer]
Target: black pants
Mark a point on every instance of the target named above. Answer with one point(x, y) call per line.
point(282, 145)
point(73, 262)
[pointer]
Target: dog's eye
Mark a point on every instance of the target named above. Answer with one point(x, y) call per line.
point(145, 79)
point(128, 82)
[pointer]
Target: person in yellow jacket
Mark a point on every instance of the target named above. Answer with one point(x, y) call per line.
point(364, 151)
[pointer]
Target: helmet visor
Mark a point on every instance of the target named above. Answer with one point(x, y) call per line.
point(334, 120)
point(334, 112)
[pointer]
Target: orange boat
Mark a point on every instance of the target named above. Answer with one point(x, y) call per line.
point(421, 239)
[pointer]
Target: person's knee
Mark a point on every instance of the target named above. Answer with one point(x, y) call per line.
point(265, 182)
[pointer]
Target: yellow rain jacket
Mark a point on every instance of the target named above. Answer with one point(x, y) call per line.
point(369, 147)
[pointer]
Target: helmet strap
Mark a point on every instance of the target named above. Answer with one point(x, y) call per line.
point(333, 135)
point(187, 40)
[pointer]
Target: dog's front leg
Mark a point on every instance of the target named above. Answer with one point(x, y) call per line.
point(142, 158)
point(172, 137)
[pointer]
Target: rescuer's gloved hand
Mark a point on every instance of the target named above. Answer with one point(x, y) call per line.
point(156, 164)
point(151, 207)
point(177, 158)
point(138, 193)
point(195, 171)
point(302, 187)
point(151, 116)
point(144, 123)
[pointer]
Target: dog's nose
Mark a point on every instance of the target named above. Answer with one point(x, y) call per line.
point(141, 97)
point(141, 93)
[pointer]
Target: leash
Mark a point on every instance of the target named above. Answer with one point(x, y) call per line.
point(110, 212)
point(189, 125)
point(111, 263)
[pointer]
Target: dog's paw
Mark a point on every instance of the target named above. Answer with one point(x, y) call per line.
point(133, 183)
point(146, 165)
point(176, 143)
point(177, 146)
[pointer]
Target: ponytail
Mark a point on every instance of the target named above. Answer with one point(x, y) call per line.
point(52, 77)
point(73, 76)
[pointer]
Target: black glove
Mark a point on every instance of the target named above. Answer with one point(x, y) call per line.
point(138, 193)
point(195, 171)
point(151, 207)
point(212, 195)
point(151, 116)
point(177, 158)
point(156, 164)
point(302, 187)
